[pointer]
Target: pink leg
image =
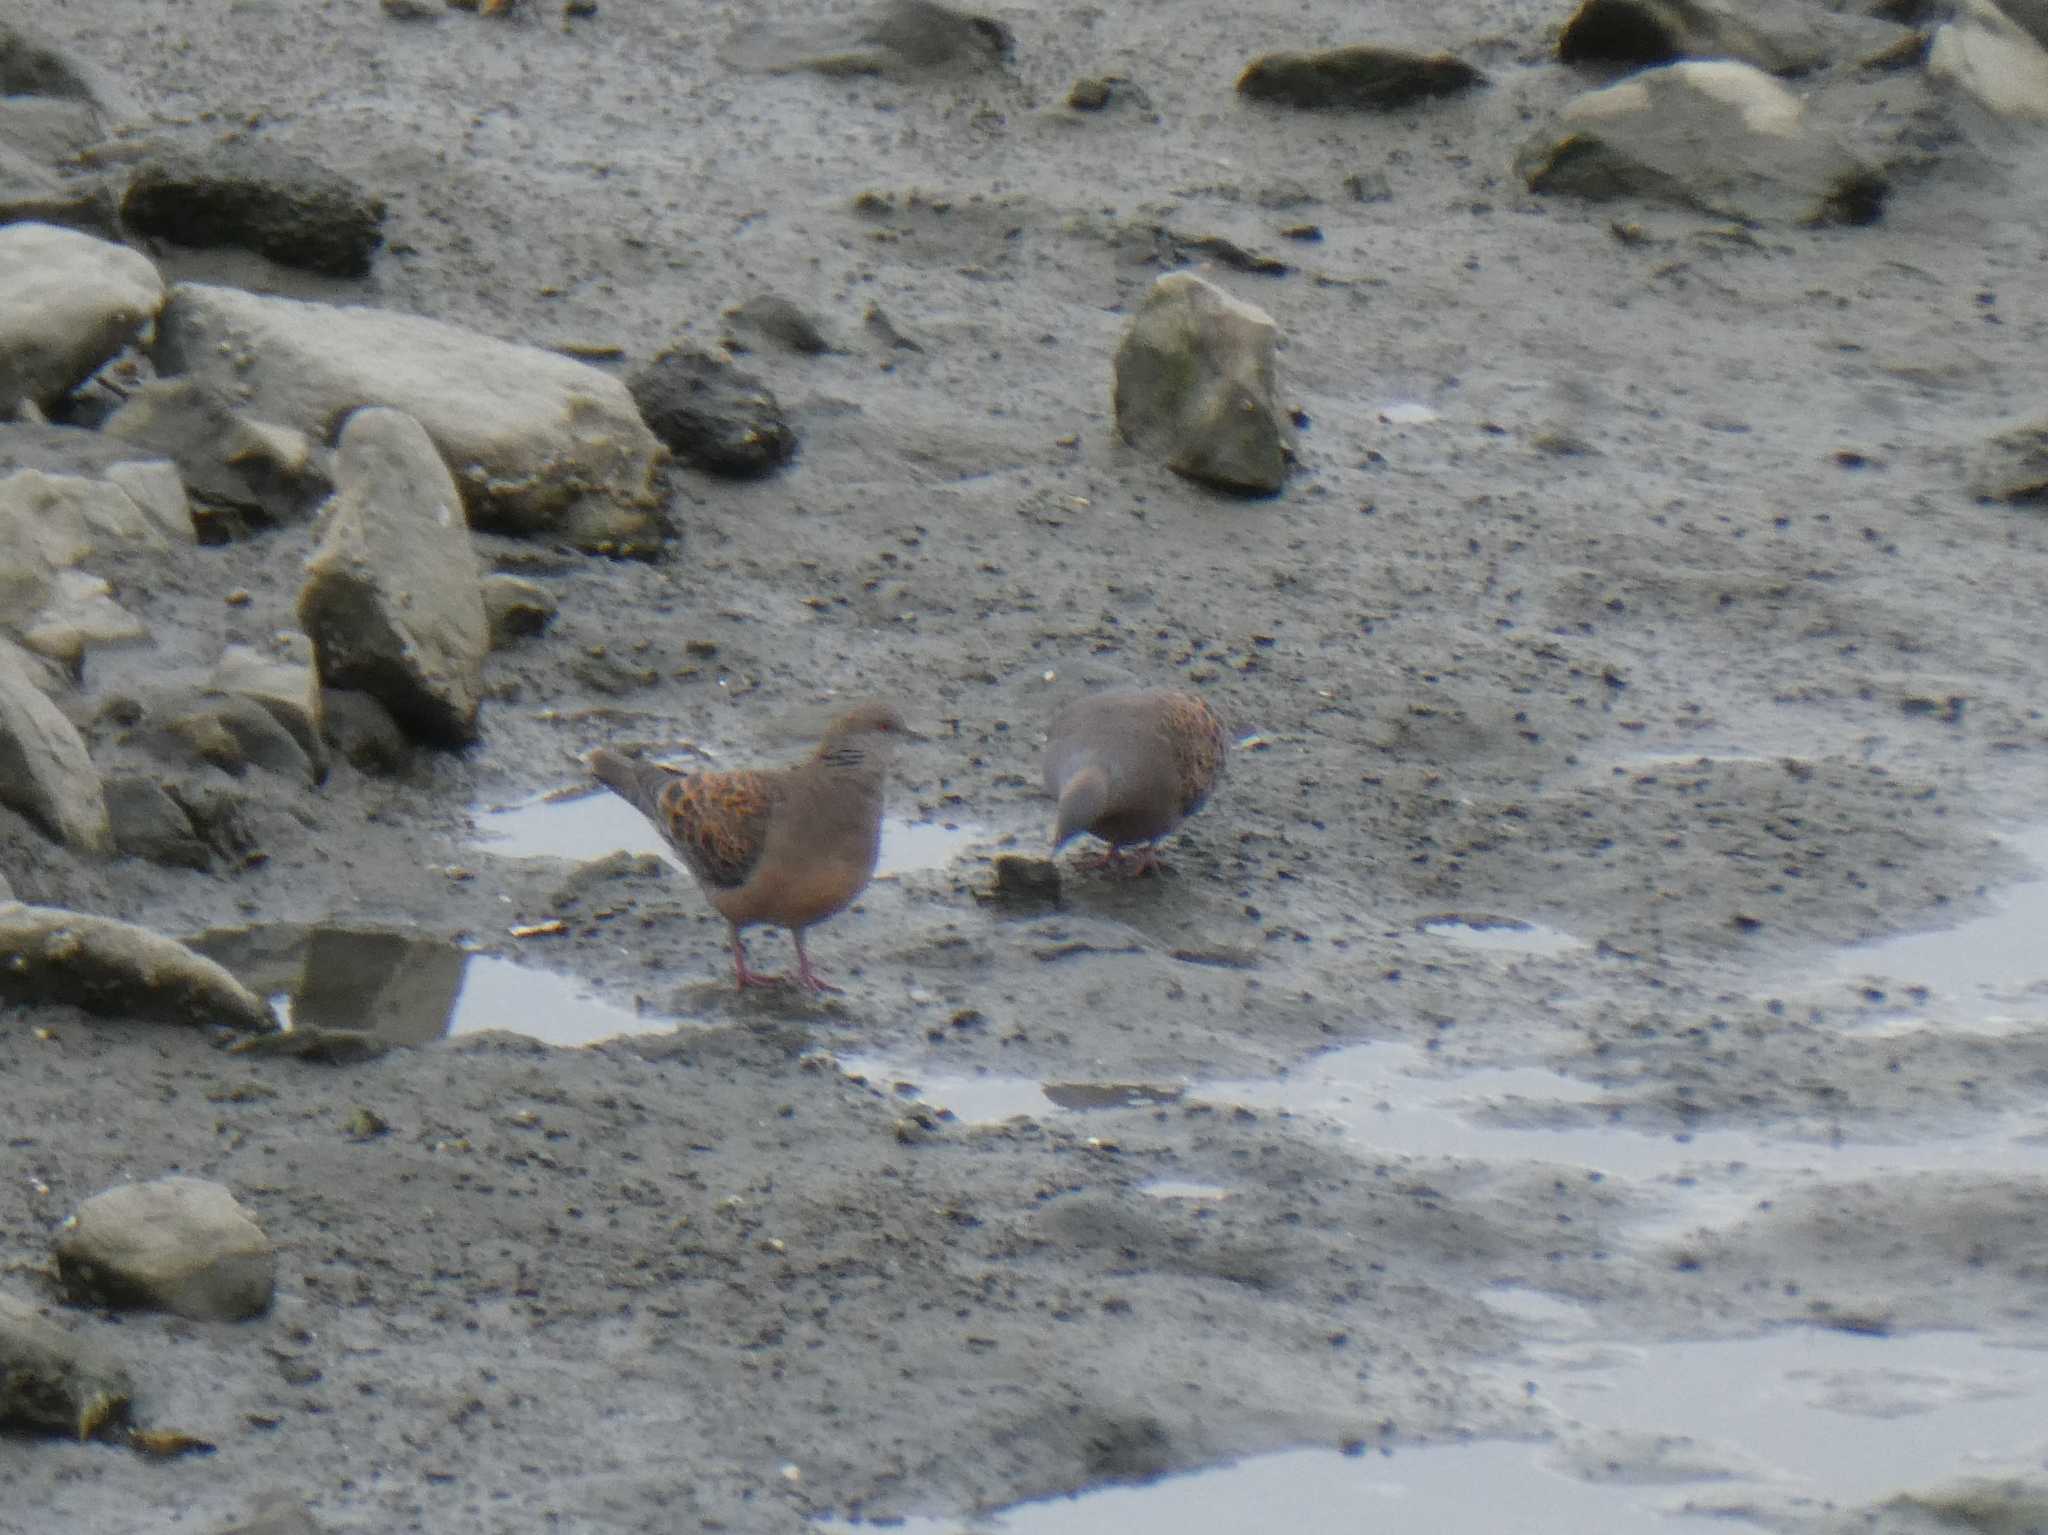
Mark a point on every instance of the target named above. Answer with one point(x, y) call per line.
point(805, 975)
point(1129, 863)
point(743, 975)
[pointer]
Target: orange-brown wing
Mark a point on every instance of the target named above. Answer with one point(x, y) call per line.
point(1197, 736)
point(718, 822)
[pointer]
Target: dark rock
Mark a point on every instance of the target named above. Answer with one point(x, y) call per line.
point(774, 318)
point(280, 205)
point(1356, 79)
point(711, 415)
point(32, 65)
point(149, 824)
point(2012, 466)
point(899, 37)
point(1026, 881)
point(363, 731)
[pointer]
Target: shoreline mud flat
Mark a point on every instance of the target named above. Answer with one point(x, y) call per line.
point(1516, 1095)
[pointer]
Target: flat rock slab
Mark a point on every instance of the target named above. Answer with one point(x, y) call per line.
point(246, 193)
point(538, 442)
point(45, 770)
point(177, 1244)
point(1195, 387)
point(68, 302)
point(1362, 78)
point(50, 1380)
point(393, 597)
point(1720, 137)
point(51, 955)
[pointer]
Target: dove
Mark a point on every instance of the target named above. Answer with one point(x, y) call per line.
point(786, 846)
point(1128, 766)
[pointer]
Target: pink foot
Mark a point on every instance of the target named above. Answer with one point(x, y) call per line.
point(1128, 863)
point(806, 977)
point(743, 974)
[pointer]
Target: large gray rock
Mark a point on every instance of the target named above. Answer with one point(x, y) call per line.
point(1721, 137)
point(40, 140)
point(1994, 59)
point(1195, 387)
point(50, 955)
point(51, 1381)
point(176, 1244)
point(537, 441)
point(393, 596)
point(248, 193)
point(68, 302)
point(45, 772)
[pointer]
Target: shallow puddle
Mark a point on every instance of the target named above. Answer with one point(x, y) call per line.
point(1440, 1489)
point(1501, 935)
point(1998, 958)
point(410, 989)
point(581, 827)
point(1392, 1100)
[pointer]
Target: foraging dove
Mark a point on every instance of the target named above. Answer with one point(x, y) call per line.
point(1129, 766)
point(789, 846)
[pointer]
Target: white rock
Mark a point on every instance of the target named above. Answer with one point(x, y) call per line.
point(1984, 53)
point(176, 1244)
point(537, 441)
point(154, 485)
point(1195, 386)
point(68, 302)
point(1715, 135)
point(45, 772)
point(51, 955)
point(393, 598)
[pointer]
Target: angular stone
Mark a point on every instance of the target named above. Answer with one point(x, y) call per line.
point(50, 955)
point(713, 416)
point(45, 772)
point(1720, 137)
point(1362, 78)
point(149, 824)
point(51, 1380)
point(365, 734)
point(538, 442)
point(517, 608)
point(250, 194)
point(290, 690)
point(1992, 58)
point(229, 732)
point(68, 302)
point(177, 1244)
point(393, 596)
point(1195, 387)
point(226, 457)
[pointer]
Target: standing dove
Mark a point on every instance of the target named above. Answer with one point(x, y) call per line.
point(789, 846)
point(1129, 766)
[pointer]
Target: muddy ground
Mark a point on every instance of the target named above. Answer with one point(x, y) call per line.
point(1675, 631)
